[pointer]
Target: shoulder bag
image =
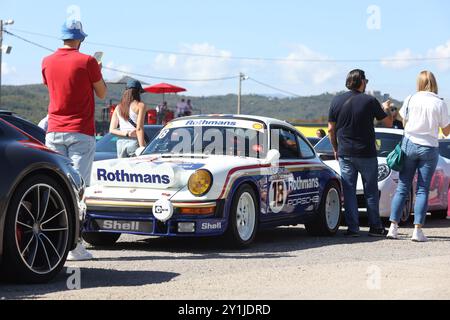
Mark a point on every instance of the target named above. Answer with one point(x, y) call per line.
point(396, 158)
point(146, 138)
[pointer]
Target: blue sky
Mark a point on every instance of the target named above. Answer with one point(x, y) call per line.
point(285, 29)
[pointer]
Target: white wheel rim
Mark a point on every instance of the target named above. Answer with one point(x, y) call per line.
point(245, 216)
point(332, 209)
point(44, 230)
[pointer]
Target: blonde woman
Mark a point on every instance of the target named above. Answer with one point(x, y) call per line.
point(128, 120)
point(424, 113)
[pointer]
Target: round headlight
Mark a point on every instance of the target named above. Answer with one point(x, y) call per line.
point(383, 172)
point(200, 183)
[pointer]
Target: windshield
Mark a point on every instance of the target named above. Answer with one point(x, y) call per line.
point(214, 140)
point(444, 149)
point(385, 144)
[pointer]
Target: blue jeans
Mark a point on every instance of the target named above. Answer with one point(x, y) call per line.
point(126, 148)
point(368, 168)
point(79, 147)
point(419, 159)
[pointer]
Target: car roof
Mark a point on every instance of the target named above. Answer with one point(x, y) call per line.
point(6, 112)
point(268, 121)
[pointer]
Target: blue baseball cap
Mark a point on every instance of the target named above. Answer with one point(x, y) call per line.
point(135, 84)
point(73, 30)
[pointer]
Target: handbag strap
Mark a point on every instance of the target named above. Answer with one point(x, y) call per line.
point(146, 138)
point(406, 121)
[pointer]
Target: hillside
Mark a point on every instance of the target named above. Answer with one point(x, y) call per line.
point(31, 102)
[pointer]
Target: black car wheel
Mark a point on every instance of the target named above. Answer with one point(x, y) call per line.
point(329, 216)
point(440, 214)
point(37, 231)
point(243, 219)
point(98, 239)
point(407, 210)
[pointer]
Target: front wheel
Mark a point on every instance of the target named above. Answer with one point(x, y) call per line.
point(243, 221)
point(39, 225)
point(329, 216)
point(440, 214)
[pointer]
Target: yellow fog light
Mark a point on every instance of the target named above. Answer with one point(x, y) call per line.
point(200, 183)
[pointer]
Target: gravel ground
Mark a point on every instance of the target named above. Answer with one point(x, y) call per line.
point(283, 264)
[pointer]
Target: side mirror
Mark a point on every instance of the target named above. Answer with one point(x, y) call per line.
point(273, 157)
point(139, 151)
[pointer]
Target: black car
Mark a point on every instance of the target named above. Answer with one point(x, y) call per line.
point(444, 148)
point(40, 204)
point(24, 125)
point(106, 148)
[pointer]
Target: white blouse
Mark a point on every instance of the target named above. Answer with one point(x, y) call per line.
point(426, 114)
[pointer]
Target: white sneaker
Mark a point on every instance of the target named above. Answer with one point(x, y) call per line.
point(79, 254)
point(393, 232)
point(419, 236)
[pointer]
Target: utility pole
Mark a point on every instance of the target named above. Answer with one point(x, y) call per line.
point(2, 24)
point(242, 77)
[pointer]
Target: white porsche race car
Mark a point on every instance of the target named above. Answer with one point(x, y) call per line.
point(214, 175)
point(387, 140)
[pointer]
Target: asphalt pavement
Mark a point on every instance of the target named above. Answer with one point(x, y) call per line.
point(284, 263)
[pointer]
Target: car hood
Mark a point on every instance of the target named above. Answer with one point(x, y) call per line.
point(334, 164)
point(151, 177)
point(101, 156)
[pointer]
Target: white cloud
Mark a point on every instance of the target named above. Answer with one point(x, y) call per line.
point(442, 51)
point(113, 75)
point(401, 60)
point(304, 72)
point(196, 67)
point(8, 70)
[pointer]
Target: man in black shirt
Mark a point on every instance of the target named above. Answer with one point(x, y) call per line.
point(352, 134)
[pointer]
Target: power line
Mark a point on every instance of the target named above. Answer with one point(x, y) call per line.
point(28, 41)
point(316, 60)
point(127, 72)
point(274, 88)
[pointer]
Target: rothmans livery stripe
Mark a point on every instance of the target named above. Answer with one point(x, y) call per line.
point(292, 166)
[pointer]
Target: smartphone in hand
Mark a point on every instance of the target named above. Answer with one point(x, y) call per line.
point(98, 56)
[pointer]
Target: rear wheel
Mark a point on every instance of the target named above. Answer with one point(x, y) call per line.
point(407, 209)
point(98, 239)
point(243, 221)
point(440, 214)
point(329, 216)
point(37, 231)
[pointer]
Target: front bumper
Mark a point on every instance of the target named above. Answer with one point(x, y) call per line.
point(136, 217)
point(387, 189)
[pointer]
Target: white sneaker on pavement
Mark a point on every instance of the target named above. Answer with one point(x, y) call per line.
point(419, 236)
point(393, 232)
point(79, 254)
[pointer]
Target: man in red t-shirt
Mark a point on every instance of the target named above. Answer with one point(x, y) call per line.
point(72, 79)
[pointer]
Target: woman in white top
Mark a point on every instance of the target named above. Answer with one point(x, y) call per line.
point(424, 113)
point(128, 119)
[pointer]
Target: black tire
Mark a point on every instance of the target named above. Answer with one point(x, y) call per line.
point(407, 211)
point(232, 236)
point(98, 239)
point(46, 253)
point(440, 214)
point(319, 226)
